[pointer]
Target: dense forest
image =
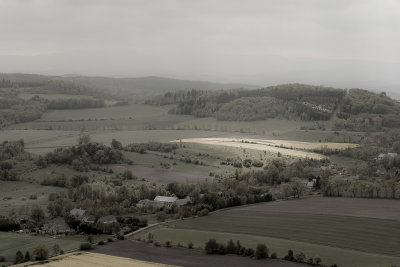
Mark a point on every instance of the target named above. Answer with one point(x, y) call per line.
point(353, 109)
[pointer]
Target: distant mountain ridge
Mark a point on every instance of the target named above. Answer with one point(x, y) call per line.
point(140, 86)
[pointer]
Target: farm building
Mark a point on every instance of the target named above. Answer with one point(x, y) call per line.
point(310, 185)
point(78, 212)
point(107, 219)
point(88, 219)
point(168, 201)
point(54, 229)
point(162, 201)
point(388, 155)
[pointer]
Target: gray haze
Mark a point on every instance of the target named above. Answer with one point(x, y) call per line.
point(344, 43)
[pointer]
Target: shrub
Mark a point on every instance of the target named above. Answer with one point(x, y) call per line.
point(156, 243)
point(41, 253)
point(90, 239)
point(109, 239)
point(274, 255)
point(242, 251)
point(27, 256)
point(300, 257)
point(190, 245)
point(101, 243)
point(289, 256)
point(261, 251)
point(203, 212)
point(2, 259)
point(317, 260)
point(120, 237)
point(85, 246)
point(231, 248)
point(168, 244)
point(19, 258)
point(250, 252)
point(56, 248)
point(211, 246)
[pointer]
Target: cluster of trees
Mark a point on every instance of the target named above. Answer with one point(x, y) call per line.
point(91, 228)
point(5, 83)
point(292, 101)
point(358, 110)
point(16, 110)
point(251, 109)
point(362, 110)
point(261, 252)
point(8, 151)
point(82, 156)
point(280, 170)
point(40, 252)
point(377, 188)
point(151, 146)
point(81, 103)
point(52, 86)
point(7, 224)
point(213, 247)
point(110, 197)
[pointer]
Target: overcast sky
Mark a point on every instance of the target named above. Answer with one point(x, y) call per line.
point(250, 41)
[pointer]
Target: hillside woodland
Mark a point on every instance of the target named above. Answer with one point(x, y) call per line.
point(353, 109)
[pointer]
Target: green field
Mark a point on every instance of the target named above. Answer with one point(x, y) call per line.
point(347, 241)
point(10, 243)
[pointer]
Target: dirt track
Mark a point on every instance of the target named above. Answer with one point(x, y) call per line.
point(359, 207)
point(181, 257)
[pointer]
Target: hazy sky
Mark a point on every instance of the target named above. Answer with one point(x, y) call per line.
point(250, 41)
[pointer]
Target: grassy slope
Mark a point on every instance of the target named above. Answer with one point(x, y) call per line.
point(10, 243)
point(374, 242)
point(329, 255)
point(20, 193)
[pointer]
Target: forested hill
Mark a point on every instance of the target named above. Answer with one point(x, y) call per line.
point(288, 101)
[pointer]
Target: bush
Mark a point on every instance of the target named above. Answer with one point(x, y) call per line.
point(190, 245)
point(27, 256)
point(19, 258)
point(203, 212)
point(261, 251)
point(230, 247)
point(41, 253)
point(8, 225)
point(101, 243)
point(274, 255)
point(109, 239)
point(289, 256)
point(168, 244)
point(250, 252)
point(211, 246)
point(120, 237)
point(2, 259)
point(300, 257)
point(85, 246)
